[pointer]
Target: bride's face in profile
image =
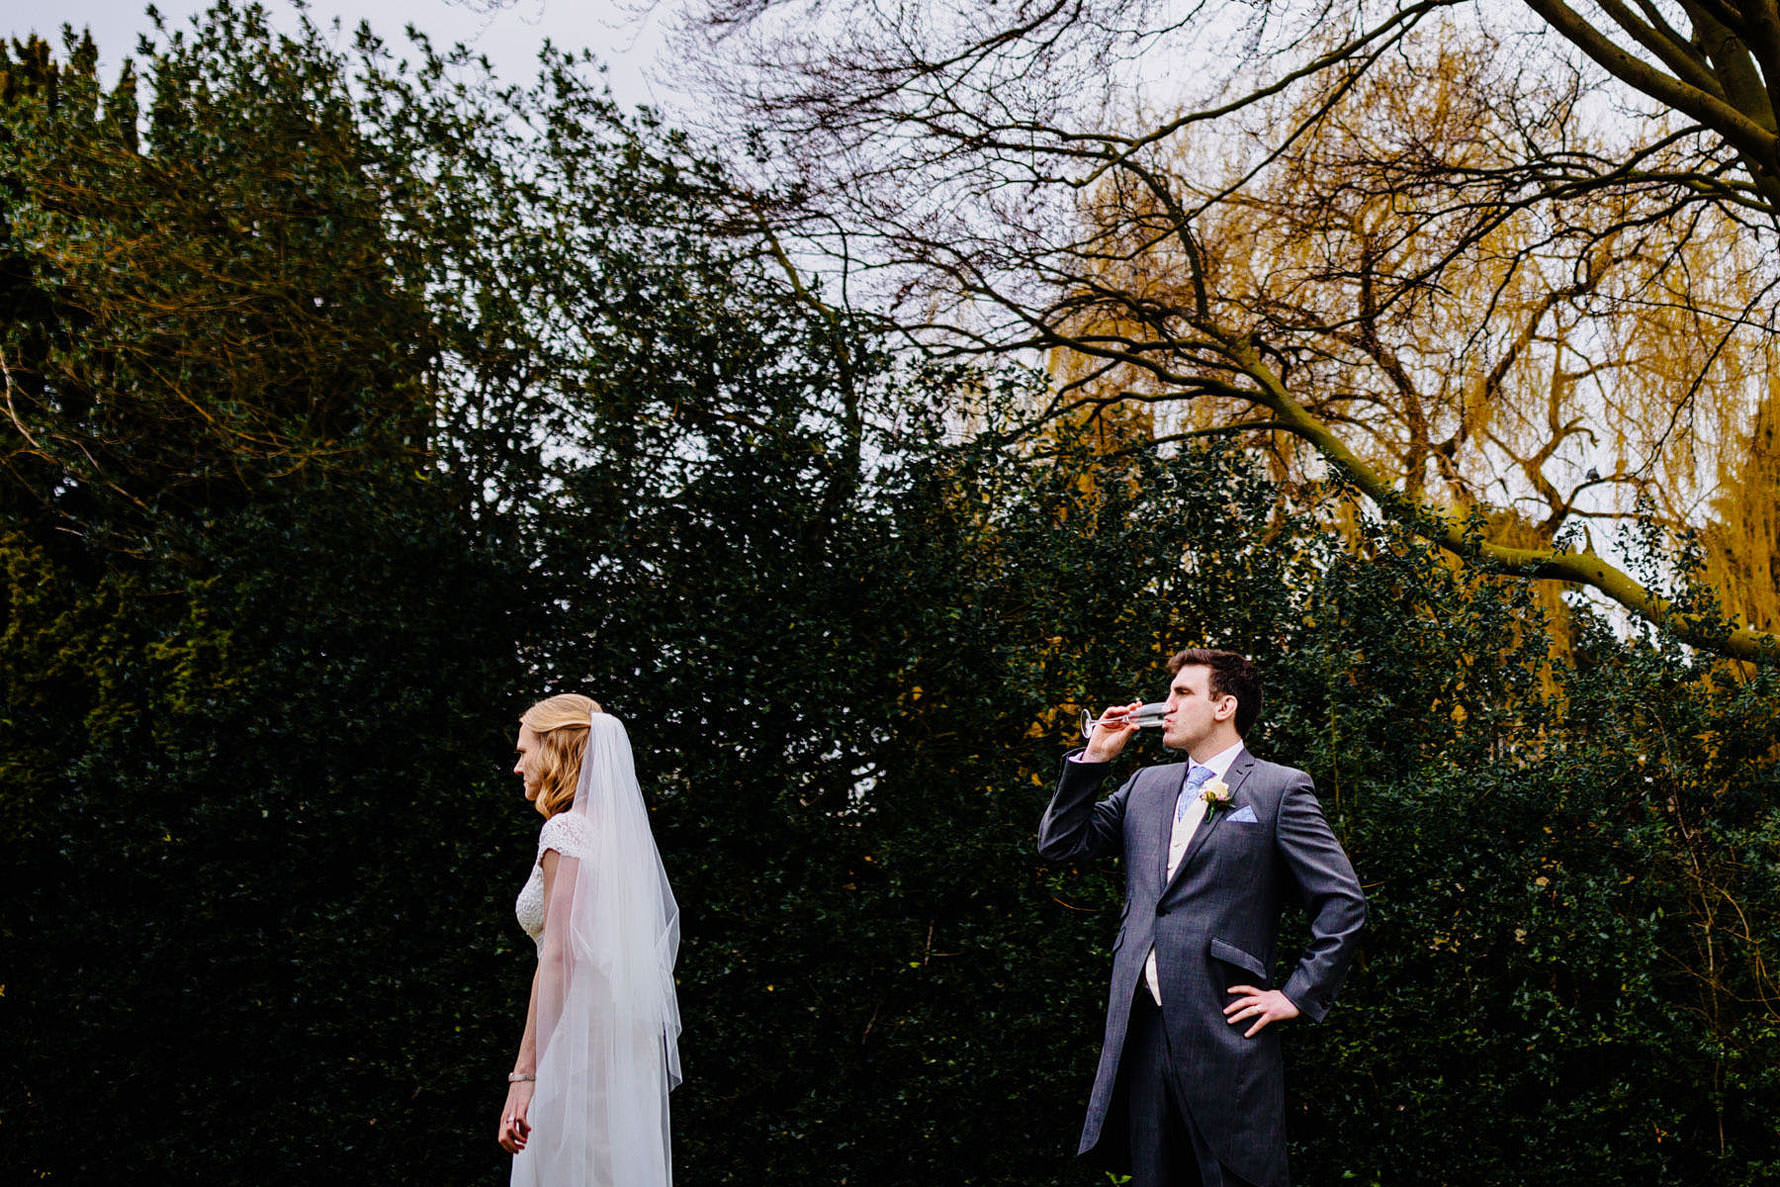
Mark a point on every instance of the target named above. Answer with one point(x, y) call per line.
point(526, 768)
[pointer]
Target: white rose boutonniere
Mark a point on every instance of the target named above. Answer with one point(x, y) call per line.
point(1216, 794)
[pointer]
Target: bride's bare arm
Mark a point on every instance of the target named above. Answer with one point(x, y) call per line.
point(515, 1128)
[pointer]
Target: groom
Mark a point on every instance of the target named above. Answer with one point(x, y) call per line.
point(1191, 1084)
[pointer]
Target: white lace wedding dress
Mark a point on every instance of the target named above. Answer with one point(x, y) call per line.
point(607, 1143)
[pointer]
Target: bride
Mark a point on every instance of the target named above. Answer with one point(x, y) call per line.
point(587, 1103)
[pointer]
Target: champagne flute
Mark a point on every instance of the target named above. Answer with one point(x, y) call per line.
point(1144, 717)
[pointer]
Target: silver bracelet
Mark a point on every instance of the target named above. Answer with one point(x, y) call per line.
point(516, 1077)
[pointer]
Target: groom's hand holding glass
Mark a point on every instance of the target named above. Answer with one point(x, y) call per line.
point(1111, 732)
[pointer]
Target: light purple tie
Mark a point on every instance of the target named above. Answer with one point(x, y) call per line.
point(1197, 777)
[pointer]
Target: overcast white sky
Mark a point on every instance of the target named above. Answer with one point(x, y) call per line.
point(627, 41)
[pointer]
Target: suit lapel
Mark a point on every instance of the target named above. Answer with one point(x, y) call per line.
point(1245, 762)
point(1171, 789)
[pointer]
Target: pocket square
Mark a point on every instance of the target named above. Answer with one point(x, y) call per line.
point(1244, 815)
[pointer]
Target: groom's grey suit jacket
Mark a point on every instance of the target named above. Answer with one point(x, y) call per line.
point(1213, 925)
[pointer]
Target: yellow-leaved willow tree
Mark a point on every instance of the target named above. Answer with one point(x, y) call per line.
point(1742, 541)
point(1537, 373)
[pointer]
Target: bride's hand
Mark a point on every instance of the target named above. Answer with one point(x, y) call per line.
point(515, 1129)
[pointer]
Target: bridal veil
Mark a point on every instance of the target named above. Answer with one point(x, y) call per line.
point(608, 1021)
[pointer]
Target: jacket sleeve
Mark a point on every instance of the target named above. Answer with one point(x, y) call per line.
point(1074, 825)
point(1330, 892)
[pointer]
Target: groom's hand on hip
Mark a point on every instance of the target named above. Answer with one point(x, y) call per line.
point(1110, 738)
point(1260, 1005)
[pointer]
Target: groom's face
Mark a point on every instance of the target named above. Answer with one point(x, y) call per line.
point(1193, 713)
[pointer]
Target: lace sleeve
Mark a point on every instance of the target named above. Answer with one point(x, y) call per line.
point(567, 833)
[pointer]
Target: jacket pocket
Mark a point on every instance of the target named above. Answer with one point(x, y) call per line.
point(1231, 954)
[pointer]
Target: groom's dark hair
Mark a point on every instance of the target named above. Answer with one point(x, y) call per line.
point(1231, 675)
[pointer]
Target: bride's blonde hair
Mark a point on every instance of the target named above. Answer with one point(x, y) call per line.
point(561, 725)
